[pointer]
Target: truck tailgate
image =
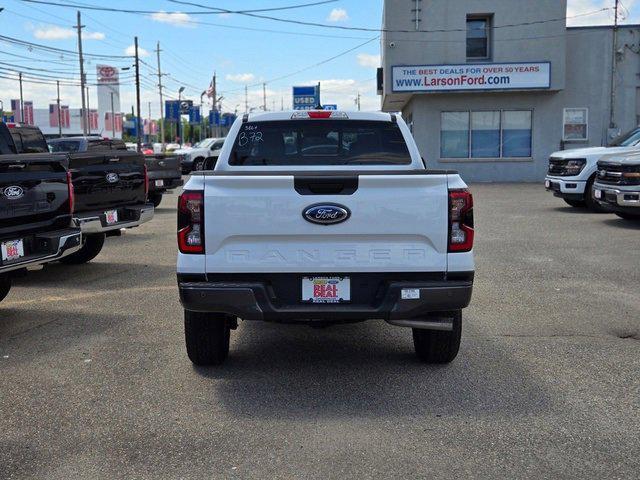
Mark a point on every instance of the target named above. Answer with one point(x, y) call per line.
point(104, 180)
point(34, 193)
point(162, 166)
point(398, 223)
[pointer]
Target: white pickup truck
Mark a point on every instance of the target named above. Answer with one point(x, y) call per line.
point(321, 218)
point(572, 173)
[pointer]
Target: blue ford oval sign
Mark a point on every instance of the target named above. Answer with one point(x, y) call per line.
point(326, 213)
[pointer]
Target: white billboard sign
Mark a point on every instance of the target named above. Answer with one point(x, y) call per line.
point(485, 76)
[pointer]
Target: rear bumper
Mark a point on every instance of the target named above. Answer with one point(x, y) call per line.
point(47, 247)
point(258, 301)
point(166, 184)
point(128, 217)
point(563, 188)
point(618, 199)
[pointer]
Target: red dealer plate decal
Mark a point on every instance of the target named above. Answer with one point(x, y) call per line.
point(111, 216)
point(326, 289)
point(12, 250)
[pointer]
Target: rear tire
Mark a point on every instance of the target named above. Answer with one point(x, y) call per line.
point(156, 199)
point(92, 246)
point(197, 164)
point(5, 286)
point(434, 346)
point(628, 216)
point(575, 203)
point(207, 337)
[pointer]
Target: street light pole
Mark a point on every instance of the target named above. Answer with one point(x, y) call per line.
point(179, 125)
point(21, 100)
point(59, 112)
point(138, 137)
point(113, 118)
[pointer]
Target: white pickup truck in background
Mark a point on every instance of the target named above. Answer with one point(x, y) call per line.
point(324, 218)
point(572, 173)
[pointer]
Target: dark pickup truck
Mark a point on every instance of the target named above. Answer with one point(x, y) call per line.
point(163, 171)
point(165, 174)
point(110, 189)
point(36, 206)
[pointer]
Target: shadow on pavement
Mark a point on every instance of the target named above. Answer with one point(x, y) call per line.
point(623, 224)
point(366, 370)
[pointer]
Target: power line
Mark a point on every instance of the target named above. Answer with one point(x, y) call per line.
point(24, 43)
point(381, 30)
point(218, 11)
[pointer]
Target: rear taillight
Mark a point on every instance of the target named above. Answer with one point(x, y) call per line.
point(191, 222)
point(460, 221)
point(146, 183)
point(72, 198)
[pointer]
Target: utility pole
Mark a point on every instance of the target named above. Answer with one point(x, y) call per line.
point(84, 114)
point(59, 111)
point(113, 118)
point(161, 100)
point(264, 97)
point(358, 101)
point(149, 128)
point(21, 99)
point(614, 67)
point(138, 137)
point(281, 104)
point(88, 114)
point(246, 99)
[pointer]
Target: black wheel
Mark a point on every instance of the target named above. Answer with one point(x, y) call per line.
point(628, 216)
point(591, 203)
point(207, 337)
point(5, 286)
point(197, 164)
point(433, 346)
point(92, 245)
point(575, 203)
point(155, 198)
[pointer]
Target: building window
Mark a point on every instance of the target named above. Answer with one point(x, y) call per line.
point(454, 135)
point(478, 37)
point(576, 125)
point(486, 134)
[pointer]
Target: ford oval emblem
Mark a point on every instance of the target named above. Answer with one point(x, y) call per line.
point(326, 213)
point(13, 192)
point(112, 177)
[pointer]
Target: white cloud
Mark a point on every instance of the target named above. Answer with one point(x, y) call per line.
point(368, 60)
point(580, 7)
point(52, 32)
point(131, 51)
point(241, 77)
point(178, 19)
point(338, 15)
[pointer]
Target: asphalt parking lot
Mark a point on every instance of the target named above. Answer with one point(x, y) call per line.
point(95, 381)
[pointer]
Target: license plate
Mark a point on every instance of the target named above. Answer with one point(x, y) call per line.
point(12, 250)
point(326, 289)
point(547, 184)
point(597, 194)
point(111, 216)
point(159, 183)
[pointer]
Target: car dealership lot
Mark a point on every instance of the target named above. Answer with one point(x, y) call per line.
point(95, 381)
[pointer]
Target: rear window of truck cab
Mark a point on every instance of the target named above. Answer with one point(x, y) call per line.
point(319, 142)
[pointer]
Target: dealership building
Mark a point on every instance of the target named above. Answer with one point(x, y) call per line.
point(492, 87)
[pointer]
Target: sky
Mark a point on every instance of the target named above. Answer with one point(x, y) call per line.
point(242, 50)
